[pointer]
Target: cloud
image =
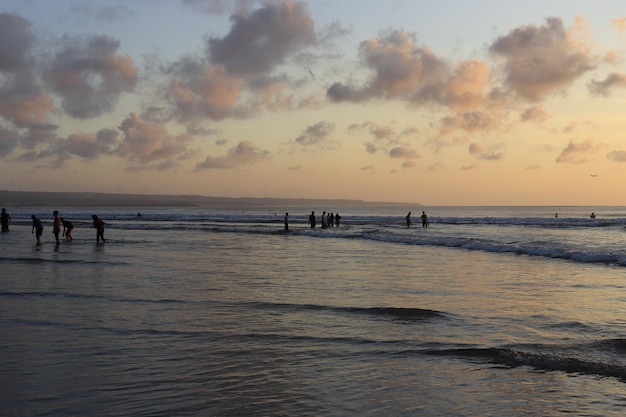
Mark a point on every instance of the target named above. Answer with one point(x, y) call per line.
point(91, 146)
point(466, 87)
point(469, 121)
point(535, 113)
point(200, 90)
point(437, 166)
point(89, 75)
point(15, 41)
point(89, 12)
point(23, 103)
point(245, 153)
point(602, 88)
point(262, 39)
point(401, 70)
point(541, 60)
point(619, 24)
point(369, 169)
point(385, 137)
point(9, 139)
point(403, 152)
point(617, 156)
point(575, 153)
point(26, 110)
point(147, 142)
point(490, 154)
point(317, 135)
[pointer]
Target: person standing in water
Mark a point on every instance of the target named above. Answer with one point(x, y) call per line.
point(425, 221)
point(98, 224)
point(312, 220)
point(67, 229)
point(337, 218)
point(5, 219)
point(56, 228)
point(286, 221)
point(37, 226)
point(408, 220)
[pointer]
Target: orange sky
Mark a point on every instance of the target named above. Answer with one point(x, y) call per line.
point(459, 103)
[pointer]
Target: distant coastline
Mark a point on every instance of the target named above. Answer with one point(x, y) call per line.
point(87, 199)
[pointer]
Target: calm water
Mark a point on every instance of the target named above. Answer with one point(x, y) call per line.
point(189, 312)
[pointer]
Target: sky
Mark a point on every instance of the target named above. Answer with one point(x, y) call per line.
point(454, 102)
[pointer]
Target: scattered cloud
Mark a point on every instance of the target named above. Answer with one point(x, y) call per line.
point(536, 113)
point(245, 153)
point(403, 152)
point(490, 154)
point(89, 75)
point(260, 40)
point(542, 60)
point(617, 156)
point(577, 152)
point(437, 166)
point(148, 142)
point(619, 24)
point(603, 87)
point(82, 12)
point(317, 136)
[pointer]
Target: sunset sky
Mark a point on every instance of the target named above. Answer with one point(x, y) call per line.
point(454, 102)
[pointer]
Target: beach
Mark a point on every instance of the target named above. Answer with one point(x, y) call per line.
point(189, 311)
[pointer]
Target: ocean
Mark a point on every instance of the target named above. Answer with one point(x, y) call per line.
point(489, 311)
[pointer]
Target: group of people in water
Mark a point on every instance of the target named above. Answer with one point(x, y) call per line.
point(328, 220)
point(424, 217)
point(68, 227)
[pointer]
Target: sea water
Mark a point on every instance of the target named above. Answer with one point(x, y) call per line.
point(489, 311)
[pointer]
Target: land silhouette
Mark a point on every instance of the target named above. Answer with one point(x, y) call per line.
point(88, 199)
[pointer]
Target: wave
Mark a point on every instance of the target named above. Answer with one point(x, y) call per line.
point(539, 361)
point(393, 312)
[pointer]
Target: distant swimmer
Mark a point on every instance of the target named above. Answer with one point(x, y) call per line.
point(425, 221)
point(98, 224)
point(5, 219)
point(556, 215)
point(67, 229)
point(408, 220)
point(38, 227)
point(312, 220)
point(593, 216)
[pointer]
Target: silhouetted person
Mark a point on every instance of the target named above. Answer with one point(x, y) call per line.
point(337, 218)
point(408, 220)
point(98, 224)
point(556, 215)
point(593, 216)
point(331, 220)
point(56, 227)
point(312, 220)
point(38, 227)
point(324, 224)
point(286, 221)
point(67, 229)
point(425, 221)
point(5, 219)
